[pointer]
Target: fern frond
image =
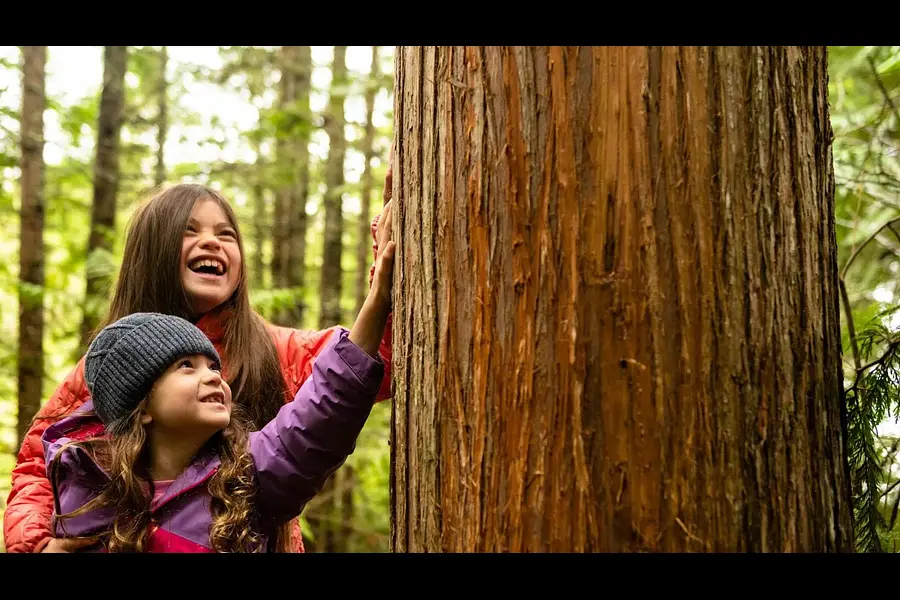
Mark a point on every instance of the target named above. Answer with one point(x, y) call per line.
point(872, 398)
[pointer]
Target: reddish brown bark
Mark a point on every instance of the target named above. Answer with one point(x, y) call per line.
point(31, 237)
point(615, 321)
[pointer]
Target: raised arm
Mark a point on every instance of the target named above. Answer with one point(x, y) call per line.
point(313, 435)
point(297, 349)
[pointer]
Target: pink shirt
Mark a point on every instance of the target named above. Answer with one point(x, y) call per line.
point(160, 487)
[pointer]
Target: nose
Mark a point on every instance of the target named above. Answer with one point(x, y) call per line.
point(212, 377)
point(209, 241)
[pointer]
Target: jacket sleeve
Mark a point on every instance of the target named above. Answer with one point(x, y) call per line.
point(26, 521)
point(313, 435)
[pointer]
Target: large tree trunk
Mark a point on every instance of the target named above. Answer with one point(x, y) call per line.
point(31, 237)
point(334, 180)
point(106, 184)
point(364, 243)
point(616, 319)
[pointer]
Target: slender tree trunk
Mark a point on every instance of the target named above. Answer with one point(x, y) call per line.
point(289, 245)
point(296, 243)
point(162, 119)
point(284, 174)
point(31, 237)
point(106, 184)
point(344, 542)
point(330, 286)
point(260, 225)
point(364, 248)
point(616, 324)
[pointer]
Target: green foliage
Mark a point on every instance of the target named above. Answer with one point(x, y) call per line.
point(863, 95)
point(79, 119)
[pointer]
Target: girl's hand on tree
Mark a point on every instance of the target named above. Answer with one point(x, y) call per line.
point(383, 281)
point(368, 330)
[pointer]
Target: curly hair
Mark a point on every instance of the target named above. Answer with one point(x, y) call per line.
point(236, 526)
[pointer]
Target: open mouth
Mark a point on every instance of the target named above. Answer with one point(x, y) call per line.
point(207, 266)
point(214, 398)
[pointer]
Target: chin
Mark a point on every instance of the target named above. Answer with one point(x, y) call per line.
point(220, 424)
point(202, 303)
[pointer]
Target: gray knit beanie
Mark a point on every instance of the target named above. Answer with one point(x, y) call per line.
point(127, 357)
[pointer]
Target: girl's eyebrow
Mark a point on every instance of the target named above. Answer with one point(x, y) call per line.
point(219, 225)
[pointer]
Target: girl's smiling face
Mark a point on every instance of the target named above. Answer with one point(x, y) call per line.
point(210, 257)
point(190, 396)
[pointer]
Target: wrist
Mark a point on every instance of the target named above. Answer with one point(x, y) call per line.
point(368, 330)
point(378, 302)
point(377, 309)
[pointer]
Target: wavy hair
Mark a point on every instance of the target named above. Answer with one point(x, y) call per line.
point(235, 521)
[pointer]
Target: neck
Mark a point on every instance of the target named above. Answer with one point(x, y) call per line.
point(171, 453)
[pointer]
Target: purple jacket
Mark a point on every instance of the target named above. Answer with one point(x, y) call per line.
point(293, 454)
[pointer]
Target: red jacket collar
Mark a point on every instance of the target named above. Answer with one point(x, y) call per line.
point(212, 324)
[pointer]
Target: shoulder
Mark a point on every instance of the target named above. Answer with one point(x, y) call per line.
point(297, 349)
point(290, 339)
point(58, 437)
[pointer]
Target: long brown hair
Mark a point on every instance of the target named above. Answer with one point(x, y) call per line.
point(150, 281)
point(235, 521)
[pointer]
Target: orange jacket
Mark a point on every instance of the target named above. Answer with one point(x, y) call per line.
point(26, 523)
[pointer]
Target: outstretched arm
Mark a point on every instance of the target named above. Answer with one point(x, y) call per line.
point(313, 435)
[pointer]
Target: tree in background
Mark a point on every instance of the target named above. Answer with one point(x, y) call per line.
point(106, 184)
point(330, 285)
point(31, 237)
point(364, 248)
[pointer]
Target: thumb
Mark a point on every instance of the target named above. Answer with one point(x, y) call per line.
point(386, 263)
point(385, 267)
point(73, 544)
point(389, 250)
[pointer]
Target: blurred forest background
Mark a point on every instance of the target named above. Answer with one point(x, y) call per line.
point(290, 134)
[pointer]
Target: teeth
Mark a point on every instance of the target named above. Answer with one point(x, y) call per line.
point(207, 263)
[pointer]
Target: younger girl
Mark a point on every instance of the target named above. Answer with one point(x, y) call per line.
point(175, 471)
point(184, 256)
